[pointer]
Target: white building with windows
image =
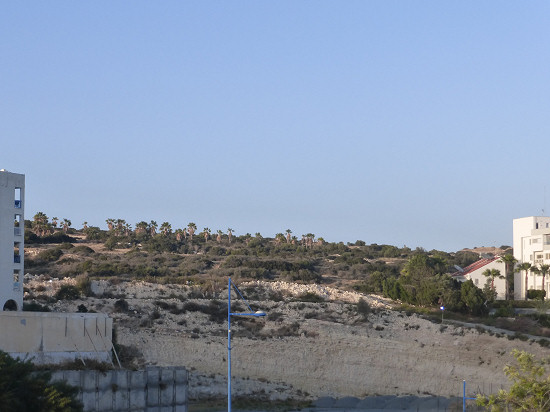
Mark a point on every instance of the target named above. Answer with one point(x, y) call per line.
point(12, 235)
point(531, 244)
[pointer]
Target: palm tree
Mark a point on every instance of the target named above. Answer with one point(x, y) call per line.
point(544, 270)
point(279, 238)
point(219, 237)
point(191, 227)
point(66, 224)
point(54, 221)
point(230, 233)
point(153, 228)
point(110, 224)
point(141, 227)
point(85, 225)
point(166, 228)
point(509, 262)
point(40, 224)
point(525, 266)
point(206, 233)
point(288, 233)
point(179, 233)
point(492, 273)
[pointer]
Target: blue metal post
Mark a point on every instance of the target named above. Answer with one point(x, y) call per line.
point(229, 314)
point(464, 396)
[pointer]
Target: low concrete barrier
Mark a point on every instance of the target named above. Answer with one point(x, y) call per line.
point(151, 390)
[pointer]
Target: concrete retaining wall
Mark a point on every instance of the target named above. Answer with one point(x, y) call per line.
point(52, 337)
point(150, 390)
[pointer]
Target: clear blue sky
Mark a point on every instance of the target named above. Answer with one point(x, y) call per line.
point(418, 123)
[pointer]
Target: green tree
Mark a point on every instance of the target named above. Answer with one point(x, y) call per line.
point(166, 228)
point(544, 270)
point(492, 274)
point(22, 389)
point(509, 262)
point(473, 298)
point(530, 390)
point(191, 227)
point(525, 266)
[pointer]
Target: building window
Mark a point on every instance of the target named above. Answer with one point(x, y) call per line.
point(18, 197)
point(547, 256)
point(17, 226)
point(535, 240)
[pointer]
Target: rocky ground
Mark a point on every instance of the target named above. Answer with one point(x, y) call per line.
point(301, 349)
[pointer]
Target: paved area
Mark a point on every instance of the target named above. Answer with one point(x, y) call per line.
point(387, 404)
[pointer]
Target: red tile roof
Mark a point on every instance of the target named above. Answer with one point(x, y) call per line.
point(475, 266)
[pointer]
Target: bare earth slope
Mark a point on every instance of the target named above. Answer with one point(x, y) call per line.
point(301, 348)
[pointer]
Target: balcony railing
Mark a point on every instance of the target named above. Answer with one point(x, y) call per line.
point(16, 258)
point(18, 204)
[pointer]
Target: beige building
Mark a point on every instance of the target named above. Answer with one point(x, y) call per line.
point(531, 244)
point(12, 236)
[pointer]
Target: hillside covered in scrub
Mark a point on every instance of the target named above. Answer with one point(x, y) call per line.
point(186, 256)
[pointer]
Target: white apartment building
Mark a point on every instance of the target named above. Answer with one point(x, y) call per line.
point(531, 244)
point(12, 236)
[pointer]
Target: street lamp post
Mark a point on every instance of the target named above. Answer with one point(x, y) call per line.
point(229, 314)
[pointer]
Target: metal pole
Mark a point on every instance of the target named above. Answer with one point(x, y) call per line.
point(229, 346)
point(464, 396)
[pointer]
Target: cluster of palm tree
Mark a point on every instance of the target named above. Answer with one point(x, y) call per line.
point(537, 270)
point(41, 225)
point(119, 227)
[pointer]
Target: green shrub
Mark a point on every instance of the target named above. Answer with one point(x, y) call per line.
point(50, 255)
point(84, 285)
point(67, 292)
point(22, 388)
point(536, 294)
point(310, 297)
point(121, 306)
point(35, 307)
point(363, 308)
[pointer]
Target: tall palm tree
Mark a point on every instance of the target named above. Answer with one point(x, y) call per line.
point(544, 270)
point(219, 237)
point(85, 225)
point(66, 224)
point(110, 224)
point(153, 228)
point(179, 234)
point(206, 233)
point(191, 227)
point(536, 272)
point(525, 266)
point(54, 221)
point(288, 235)
point(230, 233)
point(492, 273)
point(165, 228)
point(141, 227)
point(509, 262)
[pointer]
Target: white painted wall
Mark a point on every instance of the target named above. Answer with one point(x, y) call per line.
point(10, 288)
point(531, 244)
point(479, 279)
